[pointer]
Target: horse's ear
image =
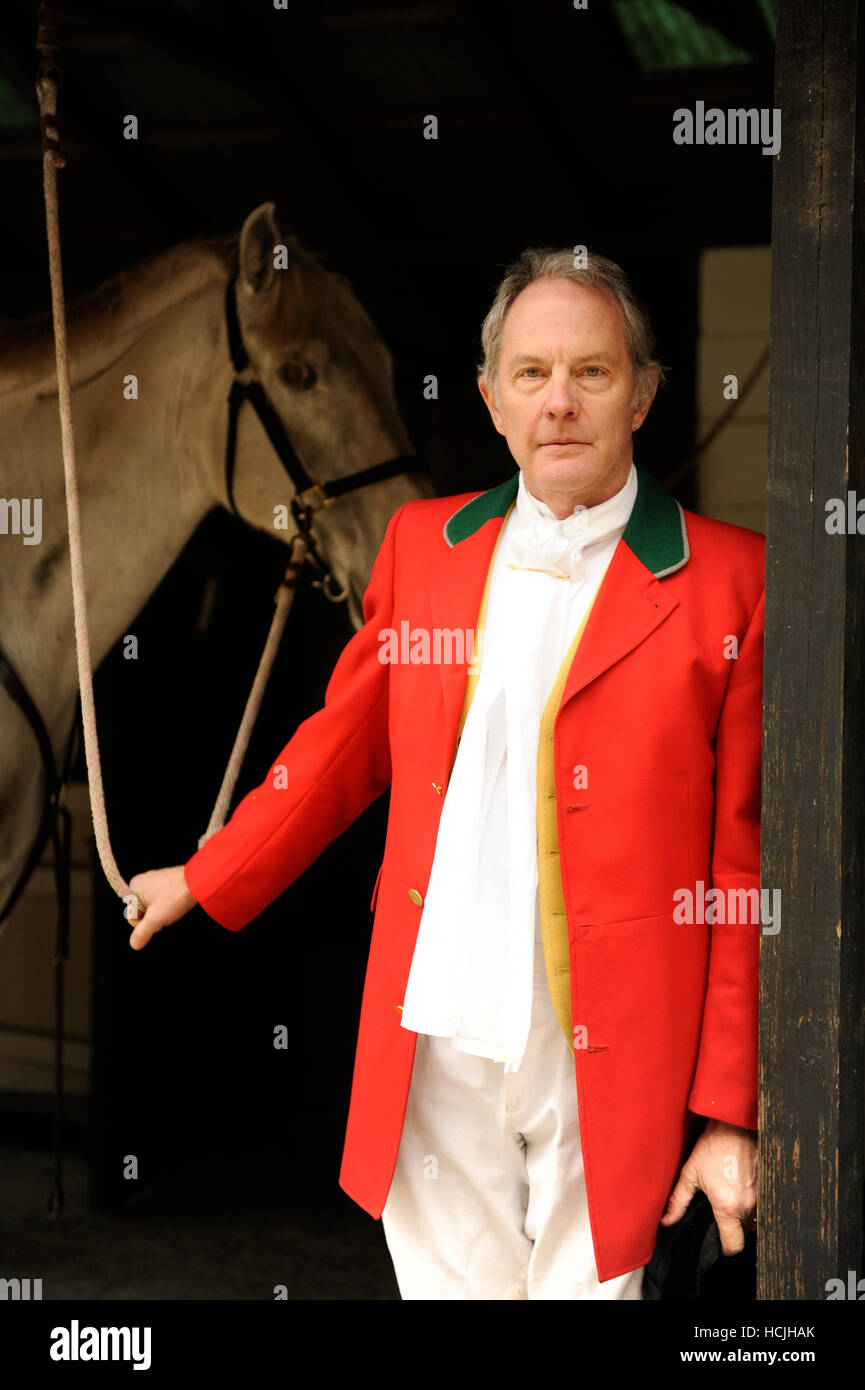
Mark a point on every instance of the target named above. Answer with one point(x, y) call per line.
point(259, 238)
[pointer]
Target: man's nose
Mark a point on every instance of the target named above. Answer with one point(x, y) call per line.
point(562, 396)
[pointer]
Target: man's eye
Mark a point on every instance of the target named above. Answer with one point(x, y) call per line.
point(300, 376)
point(593, 369)
point(526, 370)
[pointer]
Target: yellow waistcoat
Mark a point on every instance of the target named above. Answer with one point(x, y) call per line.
point(554, 927)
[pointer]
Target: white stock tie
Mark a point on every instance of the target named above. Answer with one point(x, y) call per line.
point(471, 973)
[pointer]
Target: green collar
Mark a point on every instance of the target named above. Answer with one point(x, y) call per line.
point(655, 531)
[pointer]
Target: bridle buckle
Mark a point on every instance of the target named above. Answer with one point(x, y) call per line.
point(301, 498)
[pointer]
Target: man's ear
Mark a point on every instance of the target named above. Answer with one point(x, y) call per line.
point(643, 408)
point(489, 399)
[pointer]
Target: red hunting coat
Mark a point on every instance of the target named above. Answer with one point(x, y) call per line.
point(668, 723)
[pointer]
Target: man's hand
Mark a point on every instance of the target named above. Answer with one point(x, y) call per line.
point(165, 898)
point(723, 1164)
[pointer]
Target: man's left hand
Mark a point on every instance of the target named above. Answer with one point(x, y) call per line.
point(723, 1164)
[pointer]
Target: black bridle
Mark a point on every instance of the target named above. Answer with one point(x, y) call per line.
point(309, 496)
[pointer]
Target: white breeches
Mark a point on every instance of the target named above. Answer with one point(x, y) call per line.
point(488, 1200)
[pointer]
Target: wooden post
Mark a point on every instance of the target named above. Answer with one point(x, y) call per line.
point(811, 1068)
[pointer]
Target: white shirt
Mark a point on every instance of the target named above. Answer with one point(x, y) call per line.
point(471, 972)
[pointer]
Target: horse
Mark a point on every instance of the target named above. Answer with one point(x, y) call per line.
point(152, 356)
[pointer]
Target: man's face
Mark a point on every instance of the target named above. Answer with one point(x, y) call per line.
point(565, 391)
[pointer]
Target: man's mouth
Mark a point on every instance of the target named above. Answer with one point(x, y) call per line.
point(551, 443)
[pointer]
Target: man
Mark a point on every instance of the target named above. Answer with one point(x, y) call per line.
point(541, 1035)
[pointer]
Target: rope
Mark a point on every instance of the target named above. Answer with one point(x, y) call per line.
point(46, 88)
point(720, 424)
point(52, 160)
point(283, 598)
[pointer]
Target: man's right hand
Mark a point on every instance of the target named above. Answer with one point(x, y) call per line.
point(165, 898)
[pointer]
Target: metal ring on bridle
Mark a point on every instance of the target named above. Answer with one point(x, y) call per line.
point(325, 586)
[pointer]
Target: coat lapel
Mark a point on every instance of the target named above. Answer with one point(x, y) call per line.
point(456, 584)
point(631, 602)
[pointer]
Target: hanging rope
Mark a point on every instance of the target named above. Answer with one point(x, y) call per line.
point(720, 424)
point(52, 160)
point(284, 598)
point(48, 44)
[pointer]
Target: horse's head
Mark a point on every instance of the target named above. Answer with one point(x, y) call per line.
point(328, 375)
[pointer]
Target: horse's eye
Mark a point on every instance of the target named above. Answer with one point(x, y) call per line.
point(300, 376)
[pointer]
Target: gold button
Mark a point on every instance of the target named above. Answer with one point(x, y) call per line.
point(415, 897)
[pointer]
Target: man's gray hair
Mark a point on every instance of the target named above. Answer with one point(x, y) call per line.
point(546, 263)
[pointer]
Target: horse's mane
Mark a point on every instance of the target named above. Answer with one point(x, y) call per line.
point(128, 300)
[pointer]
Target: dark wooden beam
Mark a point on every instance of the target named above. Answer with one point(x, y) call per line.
point(811, 1070)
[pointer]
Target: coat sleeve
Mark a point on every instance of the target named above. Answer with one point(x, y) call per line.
point(725, 1081)
point(334, 765)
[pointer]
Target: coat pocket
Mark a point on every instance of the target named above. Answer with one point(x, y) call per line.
point(375, 889)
